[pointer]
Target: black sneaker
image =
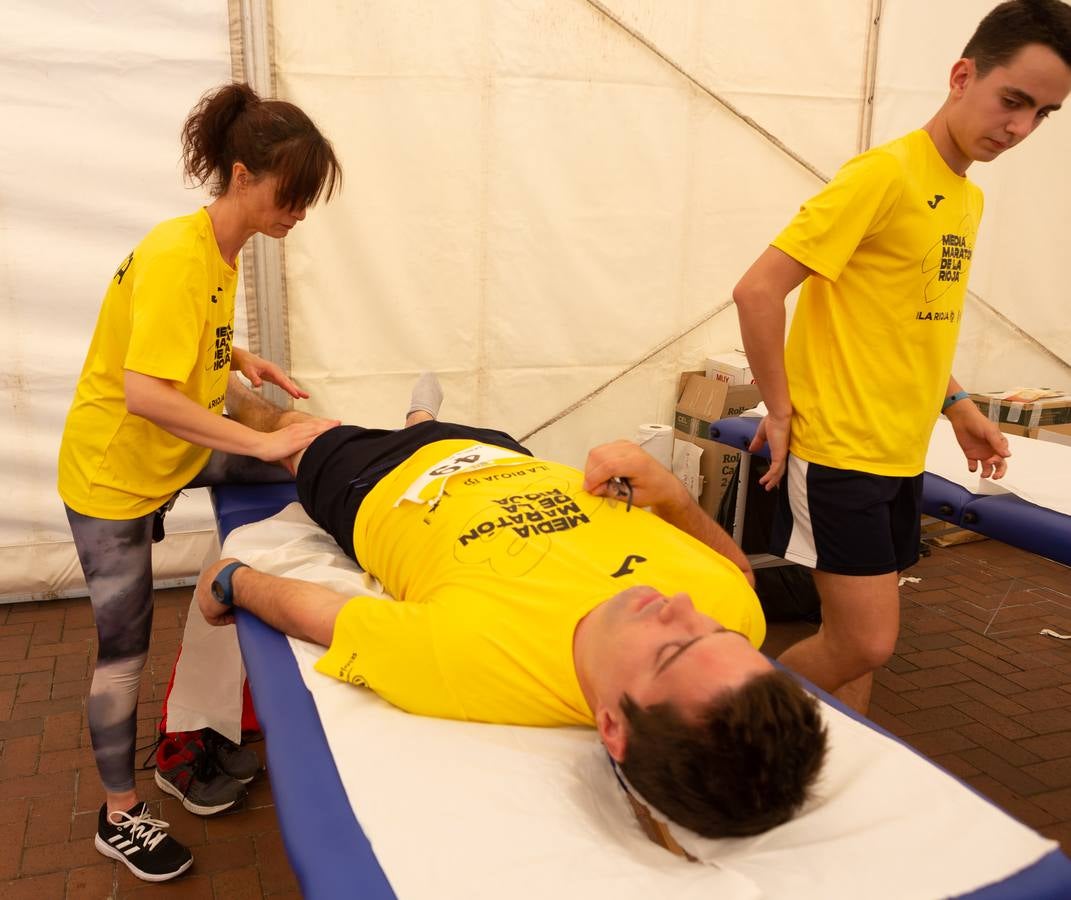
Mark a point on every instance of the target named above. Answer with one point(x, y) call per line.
point(236, 760)
point(140, 842)
point(185, 769)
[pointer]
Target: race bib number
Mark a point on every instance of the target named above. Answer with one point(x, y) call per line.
point(478, 456)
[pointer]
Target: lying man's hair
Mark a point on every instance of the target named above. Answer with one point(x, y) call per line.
point(746, 764)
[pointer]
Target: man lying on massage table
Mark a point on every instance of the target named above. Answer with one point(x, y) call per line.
point(530, 594)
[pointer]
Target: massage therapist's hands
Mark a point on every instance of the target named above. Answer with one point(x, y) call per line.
point(775, 430)
point(259, 370)
point(652, 483)
point(983, 443)
point(213, 612)
point(273, 446)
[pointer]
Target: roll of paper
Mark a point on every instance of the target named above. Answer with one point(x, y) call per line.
point(658, 441)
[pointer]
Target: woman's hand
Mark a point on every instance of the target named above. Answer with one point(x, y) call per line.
point(259, 370)
point(280, 445)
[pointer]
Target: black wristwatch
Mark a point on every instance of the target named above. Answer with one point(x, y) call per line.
point(222, 589)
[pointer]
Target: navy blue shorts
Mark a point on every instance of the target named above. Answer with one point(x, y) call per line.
point(340, 468)
point(847, 522)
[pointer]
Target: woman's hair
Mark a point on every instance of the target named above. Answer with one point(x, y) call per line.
point(232, 124)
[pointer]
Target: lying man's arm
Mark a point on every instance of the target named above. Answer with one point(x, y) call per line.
point(655, 486)
point(300, 609)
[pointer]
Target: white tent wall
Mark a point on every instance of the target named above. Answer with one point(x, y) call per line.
point(535, 199)
point(93, 98)
point(546, 201)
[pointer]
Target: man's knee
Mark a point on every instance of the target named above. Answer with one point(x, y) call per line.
point(873, 651)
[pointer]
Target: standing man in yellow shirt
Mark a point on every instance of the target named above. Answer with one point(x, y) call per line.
point(883, 253)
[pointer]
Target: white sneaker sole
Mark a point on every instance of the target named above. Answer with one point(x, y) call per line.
point(106, 849)
point(168, 788)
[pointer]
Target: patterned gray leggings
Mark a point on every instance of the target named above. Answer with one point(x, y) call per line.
point(116, 558)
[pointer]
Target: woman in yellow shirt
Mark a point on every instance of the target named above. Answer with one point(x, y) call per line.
point(147, 420)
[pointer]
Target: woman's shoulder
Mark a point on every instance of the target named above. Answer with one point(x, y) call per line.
point(182, 237)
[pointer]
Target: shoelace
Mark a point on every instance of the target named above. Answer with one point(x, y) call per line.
point(150, 761)
point(205, 767)
point(143, 827)
point(216, 742)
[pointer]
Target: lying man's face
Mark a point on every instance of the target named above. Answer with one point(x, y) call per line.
point(658, 649)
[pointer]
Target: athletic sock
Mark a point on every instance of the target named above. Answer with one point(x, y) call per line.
point(427, 395)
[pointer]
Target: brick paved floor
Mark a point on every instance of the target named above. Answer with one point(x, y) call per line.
point(50, 792)
point(972, 685)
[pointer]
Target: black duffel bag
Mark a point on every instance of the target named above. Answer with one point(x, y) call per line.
point(786, 592)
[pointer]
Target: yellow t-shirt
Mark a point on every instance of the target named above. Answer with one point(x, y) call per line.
point(870, 350)
point(169, 313)
point(491, 582)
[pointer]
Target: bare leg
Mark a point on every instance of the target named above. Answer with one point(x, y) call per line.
point(418, 416)
point(860, 622)
point(252, 410)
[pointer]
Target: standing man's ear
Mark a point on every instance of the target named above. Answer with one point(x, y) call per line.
point(963, 70)
point(613, 730)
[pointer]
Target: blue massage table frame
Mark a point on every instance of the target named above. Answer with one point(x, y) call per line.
point(1003, 517)
point(330, 854)
point(328, 851)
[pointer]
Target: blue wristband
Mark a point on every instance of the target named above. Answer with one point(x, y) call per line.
point(955, 398)
point(222, 588)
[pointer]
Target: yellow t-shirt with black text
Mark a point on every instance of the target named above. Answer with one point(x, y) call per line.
point(168, 313)
point(869, 354)
point(492, 580)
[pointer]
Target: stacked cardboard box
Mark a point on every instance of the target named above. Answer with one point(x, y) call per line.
point(1024, 411)
point(732, 368)
point(1058, 434)
point(702, 400)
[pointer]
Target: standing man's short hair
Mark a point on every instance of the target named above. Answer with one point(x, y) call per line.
point(1011, 26)
point(745, 764)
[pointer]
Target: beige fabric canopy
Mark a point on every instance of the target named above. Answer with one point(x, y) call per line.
point(546, 201)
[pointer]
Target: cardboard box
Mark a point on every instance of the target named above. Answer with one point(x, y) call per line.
point(1024, 411)
point(1058, 434)
point(732, 368)
point(703, 400)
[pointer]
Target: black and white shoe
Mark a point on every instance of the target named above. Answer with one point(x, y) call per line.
point(141, 843)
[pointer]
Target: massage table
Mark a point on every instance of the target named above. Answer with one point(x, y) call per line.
point(325, 842)
point(1003, 516)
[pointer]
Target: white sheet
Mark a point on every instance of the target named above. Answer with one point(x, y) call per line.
point(466, 810)
point(1036, 469)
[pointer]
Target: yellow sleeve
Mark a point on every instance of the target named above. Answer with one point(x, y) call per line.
point(168, 309)
point(387, 646)
point(855, 204)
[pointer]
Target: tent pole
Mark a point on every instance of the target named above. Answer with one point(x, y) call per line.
point(263, 260)
point(870, 77)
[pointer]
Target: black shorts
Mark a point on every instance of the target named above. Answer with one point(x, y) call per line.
point(846, 522)
point(340, 467)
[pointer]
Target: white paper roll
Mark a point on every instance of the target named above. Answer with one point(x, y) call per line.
point(658, 441)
